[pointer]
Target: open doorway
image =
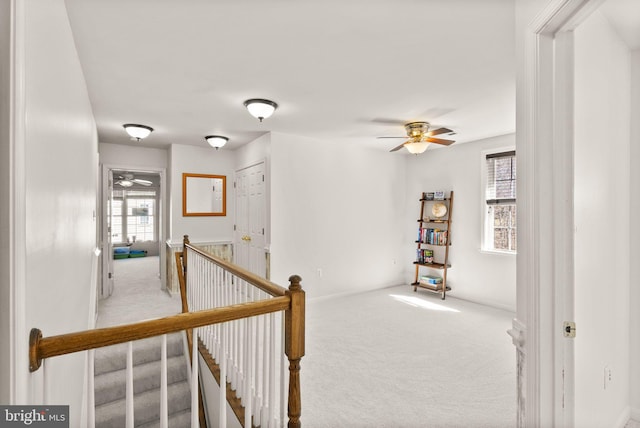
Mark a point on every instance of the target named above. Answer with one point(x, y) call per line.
point(132, 223)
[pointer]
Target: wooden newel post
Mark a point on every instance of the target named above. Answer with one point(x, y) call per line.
point(181, 265)
point(185, 241)
point(294, 347)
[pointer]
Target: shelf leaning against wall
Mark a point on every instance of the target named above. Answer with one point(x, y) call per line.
point(433, 241)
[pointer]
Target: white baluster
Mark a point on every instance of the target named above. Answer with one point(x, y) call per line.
point(129, 390)
point(222, 408)
point(248, 380)
point(195, 423)
point(164, 407)
point(91, 390)
point(265, 369)
point(284, 384)
point(46, 376)
point(272, 369)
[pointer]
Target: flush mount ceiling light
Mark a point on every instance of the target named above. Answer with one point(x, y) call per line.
point(137, 132)
point(216, 141)
point(260, 108)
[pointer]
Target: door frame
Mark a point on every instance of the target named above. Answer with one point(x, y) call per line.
point(162, 206)
point(545, 263)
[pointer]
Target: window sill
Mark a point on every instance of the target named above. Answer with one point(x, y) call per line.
point(498, 252)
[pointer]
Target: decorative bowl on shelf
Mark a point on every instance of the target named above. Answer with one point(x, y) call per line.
point(439, 210)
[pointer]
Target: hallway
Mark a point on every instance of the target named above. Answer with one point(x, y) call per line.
point(136, 294)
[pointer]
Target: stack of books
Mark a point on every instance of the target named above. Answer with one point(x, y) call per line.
point(430, 280)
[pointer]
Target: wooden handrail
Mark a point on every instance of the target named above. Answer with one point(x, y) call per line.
point(253, 279)
point(291, 300)
point(40, 348)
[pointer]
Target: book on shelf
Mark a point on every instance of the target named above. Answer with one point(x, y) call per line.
point(438, 196)
point(428, 196)
point(424, 256)
point(430, 279)
point(427, 235)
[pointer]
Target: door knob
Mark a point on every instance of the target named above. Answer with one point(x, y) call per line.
point(246, 238)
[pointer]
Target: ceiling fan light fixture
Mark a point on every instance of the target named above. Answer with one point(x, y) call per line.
point(417, 147)
point(416, 129)
point(137, 131)
point(125, 183)
point(260, 108)
point(216, 141)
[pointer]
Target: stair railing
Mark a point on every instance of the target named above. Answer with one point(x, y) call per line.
point(249, 355)
point(243, 311)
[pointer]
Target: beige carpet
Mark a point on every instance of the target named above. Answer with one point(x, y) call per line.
point(397, 358)
point(388, 358)
point(136, 295)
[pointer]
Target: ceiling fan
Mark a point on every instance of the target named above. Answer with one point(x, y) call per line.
point(420, 137)
point(128, 180)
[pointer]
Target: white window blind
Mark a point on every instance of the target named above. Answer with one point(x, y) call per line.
point(500, 196)
point(501, 178)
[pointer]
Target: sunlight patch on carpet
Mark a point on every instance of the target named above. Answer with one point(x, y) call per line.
point(419, 303)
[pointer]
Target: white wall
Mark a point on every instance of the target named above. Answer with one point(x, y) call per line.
point(337, 209)
point(482, 277)
point(211, 397)
point(59, 208)
point(131, 156)
point(200, 160)
point(602, 177)
point(5, 194)
point(256, 151)
point(635, 237)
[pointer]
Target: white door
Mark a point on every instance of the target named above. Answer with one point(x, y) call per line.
point(107, 244)
point(250, 227)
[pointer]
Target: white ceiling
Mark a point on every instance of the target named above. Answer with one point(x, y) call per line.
point(341, 71)
point(624, 17)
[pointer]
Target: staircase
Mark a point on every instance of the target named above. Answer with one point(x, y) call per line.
point(110, 389)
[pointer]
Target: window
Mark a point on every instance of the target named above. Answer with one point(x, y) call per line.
point(500, 202)
point(133, 214)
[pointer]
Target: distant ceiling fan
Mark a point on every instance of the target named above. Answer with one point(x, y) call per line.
point(128, 180)
point(420, 137)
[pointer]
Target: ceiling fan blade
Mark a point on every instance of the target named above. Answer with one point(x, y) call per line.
point(142, 182)
point(438, 132)
point(440, 141)
point(399, 147)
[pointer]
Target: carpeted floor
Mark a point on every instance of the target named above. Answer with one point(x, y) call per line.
point(386, 358)
point(396, 358)
point(136, 294)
